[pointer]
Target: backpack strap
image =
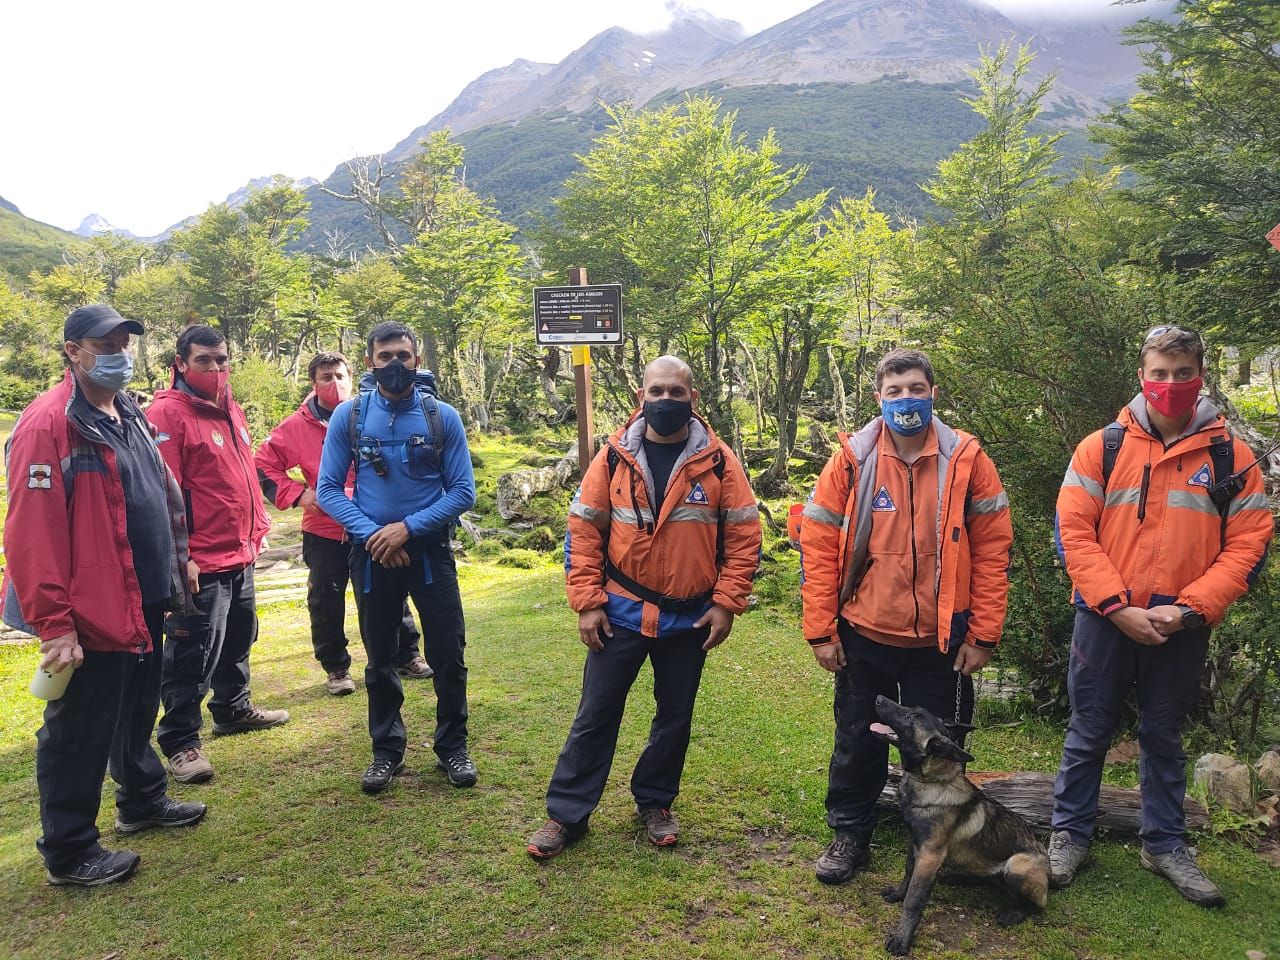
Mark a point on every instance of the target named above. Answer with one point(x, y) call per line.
point(1112, 440)
point(717, 468)
point(431, 410)
point(1222, 454)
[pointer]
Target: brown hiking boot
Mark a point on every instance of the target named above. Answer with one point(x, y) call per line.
point(340, 683)
point(845, 855)
point(551, 838)
point(191, 766)
point(416, 669)
point(660, 826)
point(252, 718)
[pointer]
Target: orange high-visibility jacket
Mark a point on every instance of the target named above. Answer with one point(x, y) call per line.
point(974, 531)
point(671, 550)
point(1153, 536)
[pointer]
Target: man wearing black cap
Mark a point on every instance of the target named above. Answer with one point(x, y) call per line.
point(104, 555)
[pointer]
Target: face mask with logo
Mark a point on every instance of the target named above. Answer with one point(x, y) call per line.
point(333, 393)
point(907, 416)
point(1173, 399)
point(210, 384)
point(666, 417)
point(395, 378)
point(110, 371)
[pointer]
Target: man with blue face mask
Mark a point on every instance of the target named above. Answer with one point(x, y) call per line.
point(103, 557)
point(413, 481)
point(905, 548)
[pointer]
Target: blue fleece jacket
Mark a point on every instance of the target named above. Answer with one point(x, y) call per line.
point(428, 497)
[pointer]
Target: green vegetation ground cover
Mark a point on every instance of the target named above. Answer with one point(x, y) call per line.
point(293, 861)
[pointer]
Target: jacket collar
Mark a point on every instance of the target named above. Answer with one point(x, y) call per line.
point(631, 436)
point(1206, 416)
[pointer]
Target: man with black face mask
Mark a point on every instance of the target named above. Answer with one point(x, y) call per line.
point(413, 481)
point(663, 540)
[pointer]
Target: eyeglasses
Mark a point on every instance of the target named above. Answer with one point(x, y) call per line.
point(1166, 328)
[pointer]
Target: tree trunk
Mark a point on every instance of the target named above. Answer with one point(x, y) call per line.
point(838, 398)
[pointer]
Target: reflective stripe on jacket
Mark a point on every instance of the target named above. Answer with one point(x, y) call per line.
point(69, 563)
point(1153, 536)
point(297, 442)
point(671, 550)
point(973, 528)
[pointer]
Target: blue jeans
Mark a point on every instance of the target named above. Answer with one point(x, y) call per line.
point(1104, 665)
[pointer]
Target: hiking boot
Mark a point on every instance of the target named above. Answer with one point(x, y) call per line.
point(1178, 866)
point(106, 866)
point(340, 683)
point(551, 838)
point(378, 777)
point(660, 826)
point(252, 718)
point(191, 766)
point(167, 813)
point(1066, 856)
point(844, 857)
point(459, 768)
point(416, 669)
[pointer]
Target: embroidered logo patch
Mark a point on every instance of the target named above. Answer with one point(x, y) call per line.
point(217, 438)
point(882, 502)
point(244, 435)
point(696, 495)
point(40, 476)
point(162, 437)
point(1202, 477)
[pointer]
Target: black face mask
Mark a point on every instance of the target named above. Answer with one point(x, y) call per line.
point(395, 378)
point(666, 417)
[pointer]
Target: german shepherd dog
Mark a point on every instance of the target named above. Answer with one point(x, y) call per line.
point(955, 828)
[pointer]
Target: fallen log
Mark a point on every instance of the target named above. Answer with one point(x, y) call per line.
point(1031, 795)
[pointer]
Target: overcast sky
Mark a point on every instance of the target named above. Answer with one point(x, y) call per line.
point(147, 111)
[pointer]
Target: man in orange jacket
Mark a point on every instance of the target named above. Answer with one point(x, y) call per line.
point(1163, 524)
point(662, 545)
point(905, 553)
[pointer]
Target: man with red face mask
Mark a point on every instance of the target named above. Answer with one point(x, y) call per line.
point(1162, 524)
point(204, 438)
point(297, 442)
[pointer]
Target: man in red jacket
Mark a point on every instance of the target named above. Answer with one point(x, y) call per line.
point(296, 443)
point(204, 438)
point(103, 556)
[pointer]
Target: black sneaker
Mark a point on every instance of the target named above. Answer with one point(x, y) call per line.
point(843, 857)
point(167, 813)
point(108, 866)
point(459, 768)
point(378, 777)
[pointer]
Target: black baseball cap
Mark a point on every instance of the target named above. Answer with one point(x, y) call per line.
point(96, 320)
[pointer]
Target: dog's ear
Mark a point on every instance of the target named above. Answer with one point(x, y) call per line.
point(945, 747)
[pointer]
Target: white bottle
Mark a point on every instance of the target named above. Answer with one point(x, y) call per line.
point(51, 686)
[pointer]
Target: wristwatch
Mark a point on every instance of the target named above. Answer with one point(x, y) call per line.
point(1190, 618)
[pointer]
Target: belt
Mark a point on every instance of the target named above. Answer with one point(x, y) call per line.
point(662, 601)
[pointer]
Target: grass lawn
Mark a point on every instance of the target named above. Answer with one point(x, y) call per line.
point(293, 861)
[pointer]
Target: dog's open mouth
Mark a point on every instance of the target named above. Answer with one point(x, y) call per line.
point(884, 732)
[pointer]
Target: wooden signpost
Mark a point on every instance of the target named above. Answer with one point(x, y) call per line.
point(578, 316)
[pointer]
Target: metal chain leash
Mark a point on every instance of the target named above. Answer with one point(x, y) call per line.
point(959, 690)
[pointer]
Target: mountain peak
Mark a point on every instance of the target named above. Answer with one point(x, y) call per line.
point(96, 225)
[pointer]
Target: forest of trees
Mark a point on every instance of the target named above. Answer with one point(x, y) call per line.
point(1031, 288)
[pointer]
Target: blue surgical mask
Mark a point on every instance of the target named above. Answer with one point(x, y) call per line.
point(907, 416)
point(111, 371)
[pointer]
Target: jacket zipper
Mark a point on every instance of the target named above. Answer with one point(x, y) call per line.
point(252, 487)
point(1142, 494)
point(915, 561)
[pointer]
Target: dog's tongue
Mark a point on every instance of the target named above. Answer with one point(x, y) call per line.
point(883, 729)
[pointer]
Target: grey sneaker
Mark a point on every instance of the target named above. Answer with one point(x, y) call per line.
point(1178, 866)
point(844, 857)
point(191, 766)
point(340, 683)
point(1066, 856)
point(416, 669)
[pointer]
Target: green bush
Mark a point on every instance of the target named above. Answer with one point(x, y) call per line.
point(542, 539)
point(520, 559)
point(16, 392)
point(265, 392)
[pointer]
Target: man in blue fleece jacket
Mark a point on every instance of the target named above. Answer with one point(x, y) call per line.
point(411, 487)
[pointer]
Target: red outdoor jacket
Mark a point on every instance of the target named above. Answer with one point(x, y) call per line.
point(297, 442)
point(210, 453)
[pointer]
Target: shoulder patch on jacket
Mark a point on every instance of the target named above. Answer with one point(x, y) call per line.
point(217, 437)
point(1202, 477)
point(244, 435)
point(162, 437)
point(40, 476)
point(696, 495)
point(882, 502)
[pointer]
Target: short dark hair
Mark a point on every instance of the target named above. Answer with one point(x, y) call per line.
point(326, 360)
point(900, 360)
point(1166, 339)
point(391, 330)
point(198, 335)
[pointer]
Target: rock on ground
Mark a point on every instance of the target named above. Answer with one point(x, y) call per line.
point(1226, 782)
point(1268, 769)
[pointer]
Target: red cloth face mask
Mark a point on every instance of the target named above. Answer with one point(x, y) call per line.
point(333, 393)
point(1171, 398)
point(210, 384)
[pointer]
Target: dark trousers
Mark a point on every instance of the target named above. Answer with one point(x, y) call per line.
point(1104, 665)
point(915, 677)
point(431, 581)
point(208, 650)
point(104, 719)
point(583, 767)
point(329, 565)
